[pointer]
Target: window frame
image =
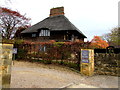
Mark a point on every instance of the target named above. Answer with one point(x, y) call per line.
point(34, 35)
point(44, 32)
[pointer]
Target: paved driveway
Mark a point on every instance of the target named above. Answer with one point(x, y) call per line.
point(32, 75)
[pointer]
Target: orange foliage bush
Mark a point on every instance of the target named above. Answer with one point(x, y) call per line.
point(97, 42)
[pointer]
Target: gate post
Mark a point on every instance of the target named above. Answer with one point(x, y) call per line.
point(87, 62)
point(5, 65)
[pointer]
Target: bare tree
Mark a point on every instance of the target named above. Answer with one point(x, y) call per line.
point(10, 21)
point(106, 37)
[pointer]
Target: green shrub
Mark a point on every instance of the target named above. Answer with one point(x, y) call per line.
point(18, 41)
point(21, 54)
point(58, 44)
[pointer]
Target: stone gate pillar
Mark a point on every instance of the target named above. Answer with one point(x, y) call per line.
point(87, 62)
point(5, 64)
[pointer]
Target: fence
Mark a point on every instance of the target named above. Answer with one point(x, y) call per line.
point(68, 55)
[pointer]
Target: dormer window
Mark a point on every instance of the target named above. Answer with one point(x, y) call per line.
point(44, 33)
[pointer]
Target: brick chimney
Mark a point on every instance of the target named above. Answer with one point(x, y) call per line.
point(57, 11)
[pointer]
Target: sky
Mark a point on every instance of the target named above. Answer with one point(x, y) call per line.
point(92, 17)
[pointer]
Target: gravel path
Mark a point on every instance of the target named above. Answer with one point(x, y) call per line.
point(33, 75)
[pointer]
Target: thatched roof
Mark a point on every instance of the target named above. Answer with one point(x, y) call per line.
point(53, 23)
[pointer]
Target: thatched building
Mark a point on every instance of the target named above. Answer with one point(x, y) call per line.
point(55, 27)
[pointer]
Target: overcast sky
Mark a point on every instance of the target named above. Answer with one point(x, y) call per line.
point(92, 17)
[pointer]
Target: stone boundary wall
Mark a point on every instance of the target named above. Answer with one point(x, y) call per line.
point(107, 64)
point(5, 64)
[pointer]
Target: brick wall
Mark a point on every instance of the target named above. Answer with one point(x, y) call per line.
point(57, 11)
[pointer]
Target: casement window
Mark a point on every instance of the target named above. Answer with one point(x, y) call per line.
point(42, 48)
point(33, 35)
point(44, 33)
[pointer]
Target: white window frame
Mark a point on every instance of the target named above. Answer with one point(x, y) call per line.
point(44, 33)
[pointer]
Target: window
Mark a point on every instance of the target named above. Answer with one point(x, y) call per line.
point(42, 48)
point(44, 33)
point(34, 35)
